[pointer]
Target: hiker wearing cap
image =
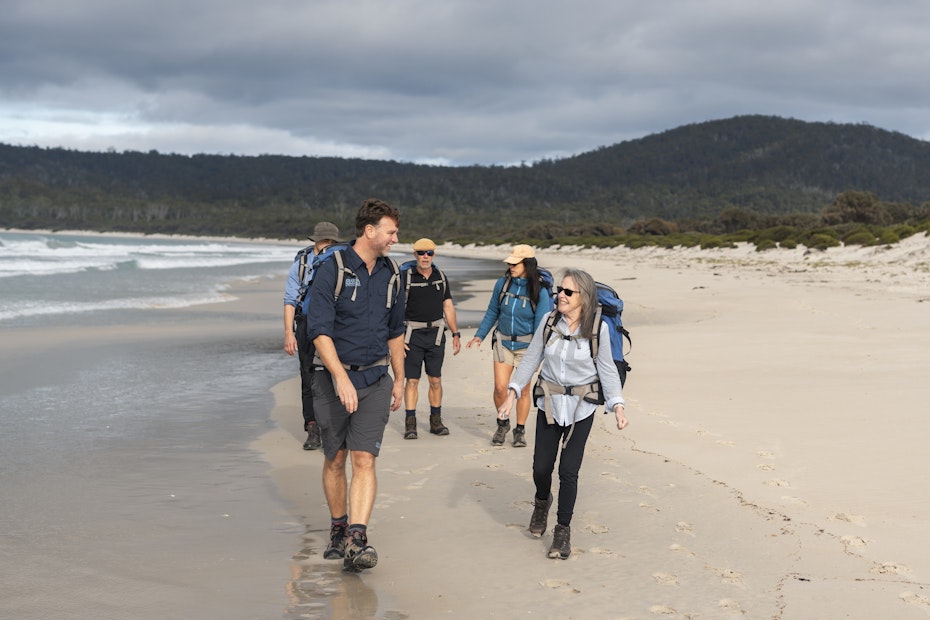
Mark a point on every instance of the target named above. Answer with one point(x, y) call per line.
point(299, 277)
point(520, 300)
point(429, 314)
point(573, 381)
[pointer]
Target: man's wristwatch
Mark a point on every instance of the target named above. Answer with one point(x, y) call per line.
point(456, 334)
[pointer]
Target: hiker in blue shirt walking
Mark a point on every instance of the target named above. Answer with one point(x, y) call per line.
point(520, 300)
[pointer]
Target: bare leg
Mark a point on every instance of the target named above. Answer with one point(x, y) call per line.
point(335, 484)
point(410, 393)
point(435, 391)
point(364, 487)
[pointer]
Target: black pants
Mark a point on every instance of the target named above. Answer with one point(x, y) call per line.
point(305, 354)
point(547, 448)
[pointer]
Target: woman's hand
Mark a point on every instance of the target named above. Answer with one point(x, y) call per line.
point(473, 342)
point(622, 422)
point(503, 412)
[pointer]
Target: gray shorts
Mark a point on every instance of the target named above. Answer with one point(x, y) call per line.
point(362, 430)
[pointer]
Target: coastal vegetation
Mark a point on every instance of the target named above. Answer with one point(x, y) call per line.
point(770, 181)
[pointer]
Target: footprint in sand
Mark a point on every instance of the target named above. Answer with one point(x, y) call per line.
point(853, 542)
point(790, 499)
point(728, 575)
point(648, 506)
point(610, 476)
point(778, 482)
point(681, 549)
point(855, 519)
point(668, 423)
point(662, 610)
point(765, 467)
point(602, 551)
point(478, 483)
point(731, 605)
point(683, 527)
point(596, 528)
point(564, 586)
point(889, 568)
point(725, 442)
point(493, 465)
point(646, 491)
point(665, 579)
point(762, 454)
point(415, 486)
point(912, 598)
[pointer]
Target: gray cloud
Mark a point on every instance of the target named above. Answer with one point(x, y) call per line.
point(456, 81)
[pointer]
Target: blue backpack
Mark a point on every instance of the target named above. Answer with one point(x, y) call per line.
point(337, 250)
point(610, 309)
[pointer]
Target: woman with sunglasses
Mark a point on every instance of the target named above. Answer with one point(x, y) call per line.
point(518, 304)
point(564, 420)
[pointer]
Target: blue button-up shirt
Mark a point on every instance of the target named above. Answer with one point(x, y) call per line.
point(360, 328)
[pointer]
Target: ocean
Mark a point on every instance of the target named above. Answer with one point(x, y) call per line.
point(131, 387)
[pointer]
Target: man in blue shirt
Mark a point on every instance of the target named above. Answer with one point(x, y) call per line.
point(299, 277)
point(358, 330)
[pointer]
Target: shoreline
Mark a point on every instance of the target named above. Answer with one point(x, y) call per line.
point(769, 470)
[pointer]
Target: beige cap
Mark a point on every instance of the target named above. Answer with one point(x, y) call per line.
point(424, 244)
point(325, 230)
point(519, 253)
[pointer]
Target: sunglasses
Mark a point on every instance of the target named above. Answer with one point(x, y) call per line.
point(425, 252)
point(568, 292)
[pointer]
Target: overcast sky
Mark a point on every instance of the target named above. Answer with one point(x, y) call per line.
point(446, 81)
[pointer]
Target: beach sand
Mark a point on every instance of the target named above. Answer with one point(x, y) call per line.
point(773, 466)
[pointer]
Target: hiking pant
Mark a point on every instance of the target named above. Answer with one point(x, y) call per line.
point(546, 450)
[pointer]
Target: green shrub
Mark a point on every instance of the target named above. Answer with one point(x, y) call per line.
point(862, 237)
point(888, 237)
point(765, 244)
point(788, 244)
point(822, 241)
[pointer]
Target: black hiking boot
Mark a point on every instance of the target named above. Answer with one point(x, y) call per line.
point(359, 554)
point(436, 426)
point(540, 516)
point(410, 427)
point(337, 542)
point(503, 427)
point(519, 438)
point(313, 437)
point(561, 542)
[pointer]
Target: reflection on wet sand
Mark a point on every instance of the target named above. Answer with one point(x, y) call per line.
point(319, 589)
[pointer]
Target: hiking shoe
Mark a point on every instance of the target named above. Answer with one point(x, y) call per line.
point(313, 437)
point(436, 426)
point(359, 555)
point(337, 542)
point(540, 516)
point(561, 542)
point(519, 438)
point(503, 427)
point(410, 427)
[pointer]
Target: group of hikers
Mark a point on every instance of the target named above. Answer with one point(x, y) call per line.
point(351, 313)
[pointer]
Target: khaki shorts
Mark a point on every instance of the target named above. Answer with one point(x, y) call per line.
point(505, 356)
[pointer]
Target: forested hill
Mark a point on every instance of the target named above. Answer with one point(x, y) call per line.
point(758, 164)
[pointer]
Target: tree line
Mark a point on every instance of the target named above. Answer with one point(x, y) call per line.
point(698, 181)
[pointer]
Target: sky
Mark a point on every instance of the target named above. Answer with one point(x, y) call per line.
point(446, 82)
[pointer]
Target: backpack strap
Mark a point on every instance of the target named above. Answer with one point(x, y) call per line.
point(342, 270)
point(304, 288)
point(412, 326)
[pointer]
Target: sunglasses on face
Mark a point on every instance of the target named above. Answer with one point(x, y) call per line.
point(568, 292)
point(425, 252)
